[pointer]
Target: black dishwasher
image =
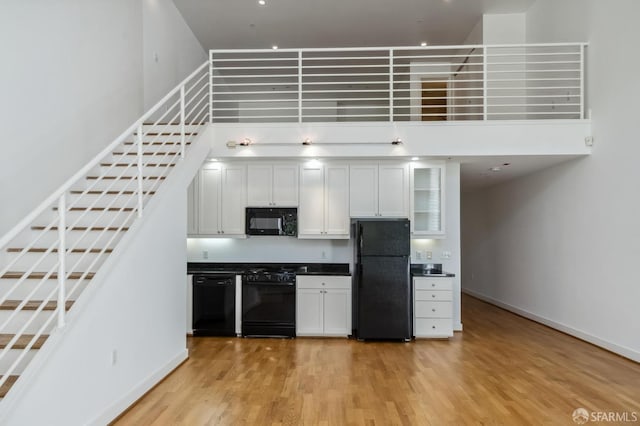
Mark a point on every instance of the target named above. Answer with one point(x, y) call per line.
point(214, 305)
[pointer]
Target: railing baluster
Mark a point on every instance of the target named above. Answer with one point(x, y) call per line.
point(485, 90)
point(390, 84)
point(210, 87)
point(62, 252)
point(182, 121)
point(582, 82)
point(139, 154)
point(299, 86)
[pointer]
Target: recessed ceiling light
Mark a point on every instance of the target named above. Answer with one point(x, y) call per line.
point(262, 2)
point(495, 169)
point(213, 160)
point(424, 44)
point(414, 158)
point(274, 47)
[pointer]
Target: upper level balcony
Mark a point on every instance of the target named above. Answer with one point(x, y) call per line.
point(400, 84)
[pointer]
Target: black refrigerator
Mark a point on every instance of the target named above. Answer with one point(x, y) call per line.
point(382, 289)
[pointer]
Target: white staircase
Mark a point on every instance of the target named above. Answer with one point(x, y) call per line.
point(50, 257)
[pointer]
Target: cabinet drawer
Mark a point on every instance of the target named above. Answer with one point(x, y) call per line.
point(428, 309)
point(323, 281)
point(433, 327)
point(433, 283)
point(438, 295)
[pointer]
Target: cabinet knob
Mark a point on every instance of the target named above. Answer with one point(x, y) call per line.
point(323, 284)
point(433, 326)
point(433, 285)
point(433, 295)
point(433, 310)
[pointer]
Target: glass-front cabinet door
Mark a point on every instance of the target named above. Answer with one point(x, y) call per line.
point(427, 199)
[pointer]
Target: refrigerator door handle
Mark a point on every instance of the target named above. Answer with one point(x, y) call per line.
point(360, 233)
point(360, 275)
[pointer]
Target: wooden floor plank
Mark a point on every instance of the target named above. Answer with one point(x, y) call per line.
point(503, 370)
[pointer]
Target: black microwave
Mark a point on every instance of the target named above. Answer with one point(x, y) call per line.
point(272, 221)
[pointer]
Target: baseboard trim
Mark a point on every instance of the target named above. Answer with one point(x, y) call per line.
point(128, 399)
point(604, 344)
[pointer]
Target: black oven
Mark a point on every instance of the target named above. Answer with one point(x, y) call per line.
point(271, 221)
point(268, 305)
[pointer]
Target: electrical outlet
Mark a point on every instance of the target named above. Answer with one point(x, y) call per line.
point(418, 255)
point(205, 254)
point(429, 255)
point(324, 254)
point(446, 255)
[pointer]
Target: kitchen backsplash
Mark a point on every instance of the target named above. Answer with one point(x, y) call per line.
point(268, 249)
point(285, 249)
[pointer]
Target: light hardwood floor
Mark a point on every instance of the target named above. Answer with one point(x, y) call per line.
point(502, 369)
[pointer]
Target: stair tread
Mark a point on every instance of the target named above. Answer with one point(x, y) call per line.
point(110, 192)
point(146, 153)
point(133, 164)
point(7, 385)
point(159, 143)
point(40, 275)
point(55, 250)
point(80, 228)
point(22, 341)
point(125, 177)
point(98, 209)
point(32, 305)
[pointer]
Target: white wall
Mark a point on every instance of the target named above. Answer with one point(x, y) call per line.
point(171, 51)
point(71, 81)
point(562, 245)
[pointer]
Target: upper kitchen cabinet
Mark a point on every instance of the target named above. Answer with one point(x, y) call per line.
point(324, 201)
point(272, 185)
point(222, 199)
point(379, 190)
point(427, 199)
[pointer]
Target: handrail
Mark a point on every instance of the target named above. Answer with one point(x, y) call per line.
point(92, 163)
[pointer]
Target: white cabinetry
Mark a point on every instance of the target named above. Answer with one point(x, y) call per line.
point(222, 199)
point(433, 307)
point(427, 199)
point(379, 190)
point(323, 306)
point(272, 185)
point(324, 201)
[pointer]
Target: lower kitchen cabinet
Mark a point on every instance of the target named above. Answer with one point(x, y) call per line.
point(432, 307)
point(323, 305)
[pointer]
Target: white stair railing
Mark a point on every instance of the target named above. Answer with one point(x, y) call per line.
point(97, 213)
point(432, 83)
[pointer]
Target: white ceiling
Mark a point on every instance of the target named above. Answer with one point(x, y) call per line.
point(237, 24)
point(476, 173)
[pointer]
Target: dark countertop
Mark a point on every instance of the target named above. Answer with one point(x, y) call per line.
point(433, 270)
point(240, 268)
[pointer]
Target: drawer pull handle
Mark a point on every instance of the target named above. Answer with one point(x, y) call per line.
point(433, 295)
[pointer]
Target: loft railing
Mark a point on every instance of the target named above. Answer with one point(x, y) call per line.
point(440, 83)
point(117, 182)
